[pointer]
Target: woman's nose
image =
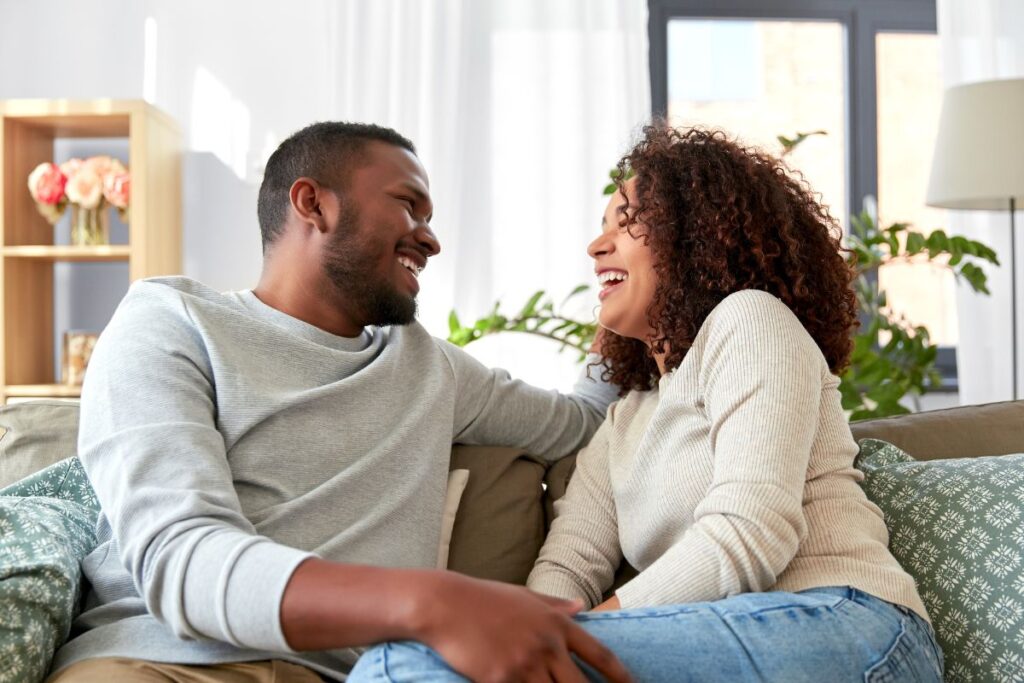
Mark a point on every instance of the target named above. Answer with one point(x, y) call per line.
point(599, 247)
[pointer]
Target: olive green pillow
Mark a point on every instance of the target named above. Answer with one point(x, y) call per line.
point(957, 526)
point(499, 526)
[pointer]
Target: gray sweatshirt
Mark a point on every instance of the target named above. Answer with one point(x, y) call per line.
point(228, 442)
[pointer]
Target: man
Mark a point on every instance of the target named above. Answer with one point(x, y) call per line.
point(271, 464)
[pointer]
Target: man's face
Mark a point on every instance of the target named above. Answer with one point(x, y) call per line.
point(381, 238)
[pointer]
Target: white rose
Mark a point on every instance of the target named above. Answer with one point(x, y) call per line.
point(71, 166)
point(85, 188)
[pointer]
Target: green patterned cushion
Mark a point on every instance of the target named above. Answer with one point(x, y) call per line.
point(958, 527)
point(64, 480)
point(47, 524)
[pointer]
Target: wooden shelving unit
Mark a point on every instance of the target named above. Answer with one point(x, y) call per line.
point(28, 129)
point(44, 390)
point(112, 252)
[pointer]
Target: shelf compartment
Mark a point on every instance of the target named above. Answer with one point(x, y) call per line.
point(108, 252)
point(28, 131)
point(43, 390)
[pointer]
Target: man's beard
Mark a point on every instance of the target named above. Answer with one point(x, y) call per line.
point(350, 266)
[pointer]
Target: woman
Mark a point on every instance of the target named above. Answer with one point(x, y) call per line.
point(725, 475)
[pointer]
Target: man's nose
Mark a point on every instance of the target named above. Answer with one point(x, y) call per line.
point(427, 240)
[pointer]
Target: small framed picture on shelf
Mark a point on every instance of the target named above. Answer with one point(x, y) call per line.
point(78, 345)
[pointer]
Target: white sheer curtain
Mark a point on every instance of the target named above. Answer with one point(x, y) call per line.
point(519, 108)
point(984, 40)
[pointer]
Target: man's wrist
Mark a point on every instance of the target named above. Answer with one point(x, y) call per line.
point(332, 605)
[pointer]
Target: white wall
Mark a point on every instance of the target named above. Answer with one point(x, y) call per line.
point(238, 77)
point(517, 107)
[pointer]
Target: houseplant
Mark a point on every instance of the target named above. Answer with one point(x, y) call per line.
point(892, 358)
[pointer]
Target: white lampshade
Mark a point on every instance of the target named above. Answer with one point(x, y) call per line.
point(979, 153)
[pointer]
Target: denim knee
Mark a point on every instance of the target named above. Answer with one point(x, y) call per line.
point(404, 662)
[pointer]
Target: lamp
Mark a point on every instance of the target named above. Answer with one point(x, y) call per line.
point(979, 160)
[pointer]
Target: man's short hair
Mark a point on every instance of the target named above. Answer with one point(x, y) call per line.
point(327, 152)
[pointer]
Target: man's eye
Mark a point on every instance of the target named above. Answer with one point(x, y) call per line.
point(409, 203)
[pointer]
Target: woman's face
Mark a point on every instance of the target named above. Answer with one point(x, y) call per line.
point(625, 271)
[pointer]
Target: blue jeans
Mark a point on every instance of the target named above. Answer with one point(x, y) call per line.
point(822, 634)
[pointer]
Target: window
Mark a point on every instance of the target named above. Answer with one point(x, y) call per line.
point(867, 73)
point(909, 101)
point(759, 79)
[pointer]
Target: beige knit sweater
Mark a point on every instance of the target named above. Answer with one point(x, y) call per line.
point(734, 475)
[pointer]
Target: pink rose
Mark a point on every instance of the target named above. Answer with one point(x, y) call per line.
point(85, 188)
point(46, 183)
point(117, 189)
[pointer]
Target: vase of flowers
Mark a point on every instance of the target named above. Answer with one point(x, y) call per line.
point(91, 187)
point(89, 227)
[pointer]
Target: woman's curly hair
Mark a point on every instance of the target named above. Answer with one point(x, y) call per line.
point(721, 218)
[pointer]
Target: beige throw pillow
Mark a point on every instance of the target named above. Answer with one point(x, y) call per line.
point(457, 480)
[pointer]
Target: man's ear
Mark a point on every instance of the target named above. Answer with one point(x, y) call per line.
point(307, 199)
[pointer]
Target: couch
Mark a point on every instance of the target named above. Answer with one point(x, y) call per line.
point(506, 507)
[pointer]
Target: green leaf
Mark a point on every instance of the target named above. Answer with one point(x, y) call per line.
point(915, 243)
point(579, 289)
point(789, 144)
point(461, 337)
point(530, 306)
point(975, 277)
point(453, 322)
point(938, 243)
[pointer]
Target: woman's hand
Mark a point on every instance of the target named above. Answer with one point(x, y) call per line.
point(608, 605)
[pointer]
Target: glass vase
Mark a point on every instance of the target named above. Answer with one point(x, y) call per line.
point(89, 227)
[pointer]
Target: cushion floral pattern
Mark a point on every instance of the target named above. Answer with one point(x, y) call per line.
point(47, 524)
point(957, 526)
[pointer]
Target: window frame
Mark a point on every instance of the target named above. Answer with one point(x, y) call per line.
point(862, 21)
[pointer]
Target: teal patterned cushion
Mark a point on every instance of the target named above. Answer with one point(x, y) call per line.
point(47, 524)
point(957, 526)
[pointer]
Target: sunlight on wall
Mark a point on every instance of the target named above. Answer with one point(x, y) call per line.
point(220, 122)
point(149, 61)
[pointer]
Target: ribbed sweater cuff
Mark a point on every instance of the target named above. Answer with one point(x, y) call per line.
point(670, 582)
point(240, 599)
point(558, 584)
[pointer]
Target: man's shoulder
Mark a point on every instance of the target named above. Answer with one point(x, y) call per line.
point(172, 288)
point(174, 296)
point(415, 339)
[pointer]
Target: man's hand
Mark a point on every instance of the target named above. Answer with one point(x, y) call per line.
point(487, 631)
point(491, 631)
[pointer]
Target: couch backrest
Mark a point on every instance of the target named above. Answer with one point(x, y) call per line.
point(964, 432)
point(508, 501)
point(34, 435)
